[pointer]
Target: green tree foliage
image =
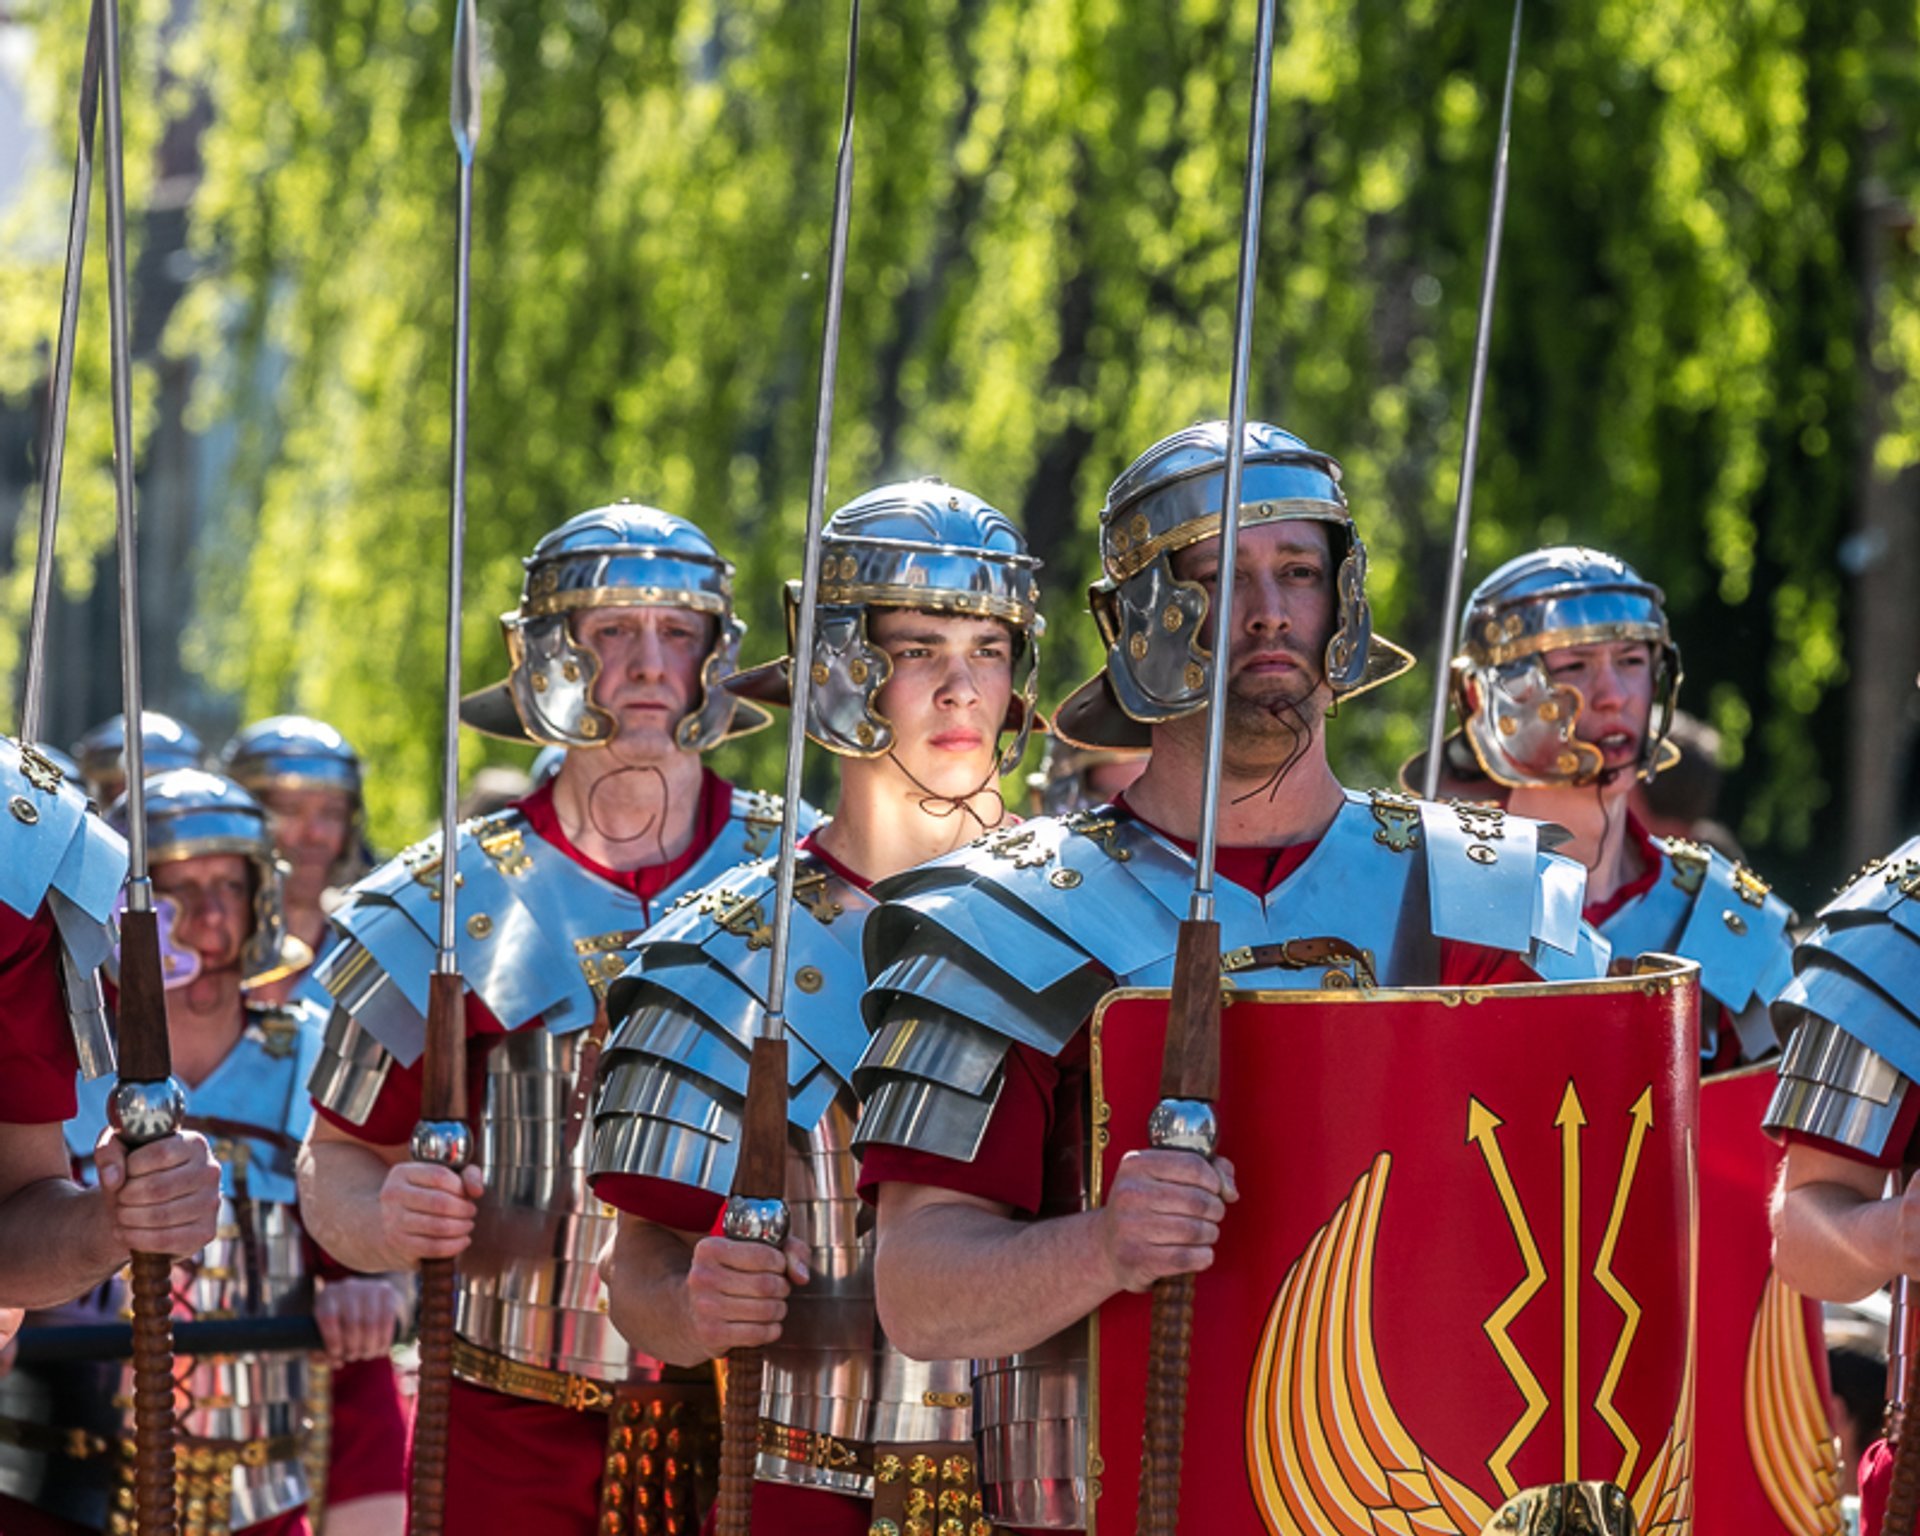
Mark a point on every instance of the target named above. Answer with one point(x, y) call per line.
point(1041, 284)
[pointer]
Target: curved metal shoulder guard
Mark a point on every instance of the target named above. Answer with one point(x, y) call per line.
point(673, 1076)
point(1853, 1009)
point(55, 849)
point(1716, 912)
point(541, 937)
point(1016, 937)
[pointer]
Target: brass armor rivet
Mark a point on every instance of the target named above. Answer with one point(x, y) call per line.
point(819, 674)
point(888, 1468)
point(955, 1470)
point(1170, 618)
point(920, 1470)
point(1508, 725)
point(953, 1525)
point(982, 1528)
point(539, 682)
point(919, 1525)
point(1480, 853)
point(808, 979)
point(1566, 762)
point(919, 1501)
point(1194, 677)
point(570, 671)
point(1549, 710)
point(1513, 626)
point(1064, 879)
point(1734, 921)
point(1142, 529)
point(1490, 630)
point(952, 1501)
point(1138, 646)
point(590, 727)
point(479, 925)
point(857, 671)
point(863, 733)
point(23, 810)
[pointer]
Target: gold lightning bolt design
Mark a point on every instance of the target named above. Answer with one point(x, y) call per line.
point(1631, 1310)
point(1482, 1130)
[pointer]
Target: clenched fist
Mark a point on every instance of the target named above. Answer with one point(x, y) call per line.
point(1164, 1216)
point(427, 1211)
point(163, 1197)
point(737, 1292)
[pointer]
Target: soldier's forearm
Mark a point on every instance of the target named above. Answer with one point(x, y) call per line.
point(646, 1274)
point(958, 1281)
point(58, 1242)
point(1833, 1244)
point(340, 1184)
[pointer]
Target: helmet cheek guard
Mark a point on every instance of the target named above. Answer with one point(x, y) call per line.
point(1520, 724)
point(551, 679)
point(849, 670)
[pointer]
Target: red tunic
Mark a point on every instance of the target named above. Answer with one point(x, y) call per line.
point(18, 1519)
point(38, 1064)
point(513, 1464)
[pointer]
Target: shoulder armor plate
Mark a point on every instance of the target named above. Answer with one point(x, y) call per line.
point(1833, 1087)
point(1709, 909)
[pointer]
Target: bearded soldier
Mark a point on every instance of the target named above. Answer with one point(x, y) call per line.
point(925, 648)
point(102, 752)
point(623, 639)
point(1566, 682)
point(986, 964)
point(246, 1417)
point(61, 868)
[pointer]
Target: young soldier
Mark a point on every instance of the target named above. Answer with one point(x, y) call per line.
point(985, 965)
point(623, 639)
point(1566, 682)
point(1847, 1109)
point(245, 1069)
point(925, 646)
point(308, 777)
point(61, 869)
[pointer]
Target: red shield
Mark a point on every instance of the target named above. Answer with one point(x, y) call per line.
point(1461, 1265)
point(1766, 1464)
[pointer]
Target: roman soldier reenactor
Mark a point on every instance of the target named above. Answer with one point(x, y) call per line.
point(243, 1420)
point(986, 965)
point(1566, 681)
point(620, 647)
point(925, 649)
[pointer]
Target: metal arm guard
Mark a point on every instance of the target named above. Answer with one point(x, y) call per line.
point(55, 850)
point(671, 1094)
point(1015, 938)
point(247, 1414)
point(1852, 1012)
point(542, 939)
point(1724, 917)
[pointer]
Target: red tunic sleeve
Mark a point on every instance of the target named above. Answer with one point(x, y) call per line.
point(38, 1065)
point(397, 1108)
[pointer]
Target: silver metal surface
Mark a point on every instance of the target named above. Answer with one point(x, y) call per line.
point(292, 752)
point(446, 1142)
point(1476, 406)
point(145, 1111)
point(756, 1221)
point(1184, 1125)
point(464, 112)
point(1518, 721)
point(53, 448)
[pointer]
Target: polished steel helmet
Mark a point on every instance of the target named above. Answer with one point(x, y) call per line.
point(1517, 720)
point(292, 752)
point(101, 753)
point(192, 813)
point(918, 544)
point(622, 556)
point(1171, 497)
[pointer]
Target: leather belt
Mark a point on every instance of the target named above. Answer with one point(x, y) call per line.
point(45, 1440)
point(815, 1448)
point(536, 1383)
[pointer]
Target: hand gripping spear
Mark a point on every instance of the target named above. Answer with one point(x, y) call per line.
point(1476, 401)
point(757, 1208)
point(442, 1135)
point(60, 386)
point(148, 1102)
point(1184, 1120)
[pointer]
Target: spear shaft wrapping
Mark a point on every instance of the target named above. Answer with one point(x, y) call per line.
point(757, 1210)
point(442, 1136)
point(148, 1103)
point(53, 449)
point(1190, 1073)
point(1476, 403)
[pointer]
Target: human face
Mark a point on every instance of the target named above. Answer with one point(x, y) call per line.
point(310, 831)
point(213, 893)
point(947, 696)
point(1615, 679)
point(1282, 620)
point(650, 661)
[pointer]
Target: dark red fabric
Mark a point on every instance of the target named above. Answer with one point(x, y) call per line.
point(1876, 1482)
point(38, 1066)
point(397, 1109)
point(18, 1519)
point(521, 1467)
point(805, 1512)
point(368, 1455)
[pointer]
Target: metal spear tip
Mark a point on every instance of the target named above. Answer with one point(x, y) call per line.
point(465, 106)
